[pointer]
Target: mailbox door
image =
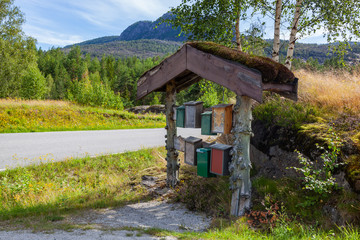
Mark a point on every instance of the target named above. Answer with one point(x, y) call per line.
point(190, 116)
point(217, 161)
point(180, 116)
point(203, 162)
point(218, 119)
point(206, 119)
point(190, 154)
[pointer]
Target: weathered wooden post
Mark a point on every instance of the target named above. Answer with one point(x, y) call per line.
point(240, 165)
point(173, 164)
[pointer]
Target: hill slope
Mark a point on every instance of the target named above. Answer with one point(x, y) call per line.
point(142, 48)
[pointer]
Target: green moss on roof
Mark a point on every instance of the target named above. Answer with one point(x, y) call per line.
point(271, 71)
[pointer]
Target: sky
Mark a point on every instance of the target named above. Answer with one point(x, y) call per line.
point(63, 22)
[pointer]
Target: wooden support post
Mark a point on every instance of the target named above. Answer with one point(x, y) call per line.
point(240, 165)
point(173, 164)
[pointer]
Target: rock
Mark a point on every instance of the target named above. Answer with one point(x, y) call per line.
point(276, 164)
point(357, 186)
point(148, 181)
point(342, 182)
point(147, 109)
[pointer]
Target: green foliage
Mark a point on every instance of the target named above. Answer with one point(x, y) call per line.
point(208, 20)
point(17, 52)
point(285, 113)
point(91, 91)
point(320, 180)
point(209, 95)
point(33, 84)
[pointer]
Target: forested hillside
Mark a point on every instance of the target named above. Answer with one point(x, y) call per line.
point(106, 82)
point(143, 48)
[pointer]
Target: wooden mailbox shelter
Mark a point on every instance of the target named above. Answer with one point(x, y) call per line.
point(248, 76)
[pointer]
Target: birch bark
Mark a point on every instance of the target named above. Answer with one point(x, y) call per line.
point(294, 30)
point(276, 45)
point(240, 165)
point(173, 164)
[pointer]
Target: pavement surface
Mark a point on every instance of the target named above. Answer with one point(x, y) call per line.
point(20, 149)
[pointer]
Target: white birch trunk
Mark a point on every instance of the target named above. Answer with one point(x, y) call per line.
point(173, 164)
point(237, 31)
point(240, 165)
point(294, 29)
point(276, 45)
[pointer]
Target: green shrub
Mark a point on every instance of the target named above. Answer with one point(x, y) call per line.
point(33, 84)
point(285, 113)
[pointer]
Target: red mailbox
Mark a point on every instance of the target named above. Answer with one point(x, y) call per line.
point(220, 159)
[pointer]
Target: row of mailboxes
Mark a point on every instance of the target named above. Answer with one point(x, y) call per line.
point(219, 120)
point(209, 161)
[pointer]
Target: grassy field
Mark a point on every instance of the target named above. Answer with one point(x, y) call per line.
point(42, 198)
point(42, 116)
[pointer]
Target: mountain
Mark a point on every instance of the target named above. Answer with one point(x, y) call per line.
point(142, 48)
point(147, 39)
point(152, 30)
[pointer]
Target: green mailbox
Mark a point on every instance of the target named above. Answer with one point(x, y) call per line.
point(180, 116)
point(206, 121)
point(203, 162)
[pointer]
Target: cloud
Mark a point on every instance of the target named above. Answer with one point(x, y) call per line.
point(63, 22)
point(52, 37)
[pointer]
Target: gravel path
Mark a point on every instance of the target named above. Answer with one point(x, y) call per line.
point(92, 234)
point(152, 214)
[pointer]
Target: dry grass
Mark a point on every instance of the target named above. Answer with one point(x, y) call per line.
point(339, 92)
point(31, 103)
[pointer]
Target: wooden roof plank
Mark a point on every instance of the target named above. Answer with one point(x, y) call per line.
point(234, 76)
point(158, 76)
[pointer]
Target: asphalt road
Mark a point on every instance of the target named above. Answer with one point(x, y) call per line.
point(19, 149)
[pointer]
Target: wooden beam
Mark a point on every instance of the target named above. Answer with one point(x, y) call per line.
point(288, 90)
point(173, 164)
point(232, 75)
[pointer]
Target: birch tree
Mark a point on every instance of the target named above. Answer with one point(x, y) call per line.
point(211, 20)
point(337, 20)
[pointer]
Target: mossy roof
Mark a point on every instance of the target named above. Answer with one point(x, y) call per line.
point(272, 72)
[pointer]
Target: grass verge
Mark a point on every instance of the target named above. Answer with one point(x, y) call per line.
point(42, 116)
point(57, 187)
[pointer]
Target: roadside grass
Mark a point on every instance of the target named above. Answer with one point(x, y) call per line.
point(41, 116)
point(54, 188)
point(44, 197)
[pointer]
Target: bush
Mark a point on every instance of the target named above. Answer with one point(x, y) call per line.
point(95, 93)
point(33, 84)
